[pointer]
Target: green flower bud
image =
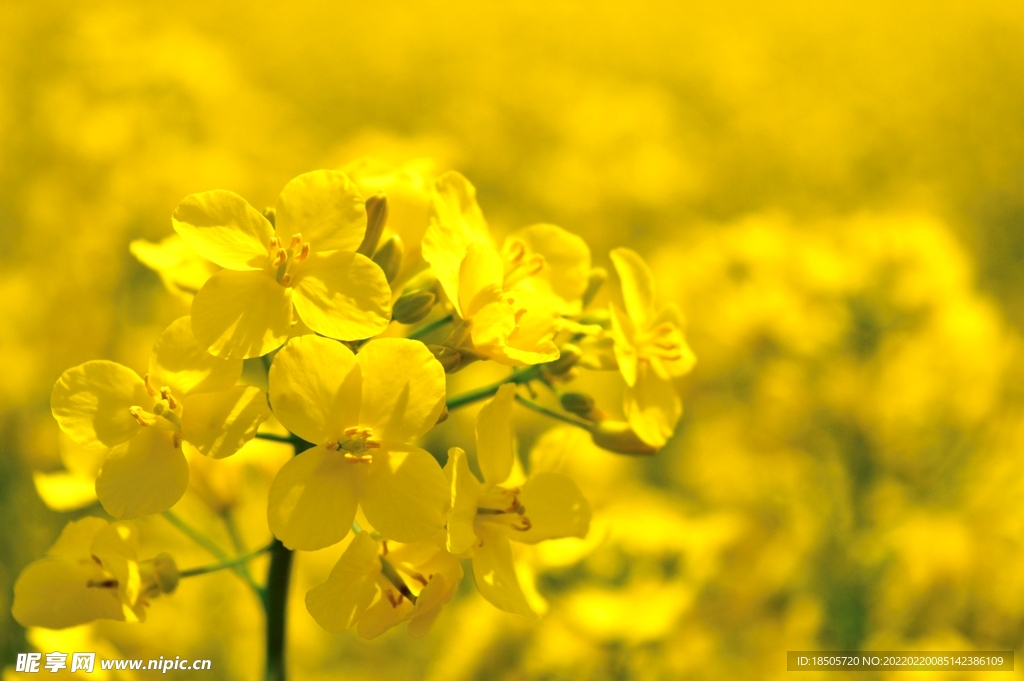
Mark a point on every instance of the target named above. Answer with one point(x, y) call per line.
point(450, 359)
point(598, 275)
point(159, 575)
point(568, 355)
point(389, 256)
point(617, 436)
point(412, 307)
point(376, 218)
point(580, 404)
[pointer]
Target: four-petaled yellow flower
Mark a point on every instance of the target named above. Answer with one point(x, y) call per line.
point(484, 518)
point(362, 412)
point(378, 584)
point(307, 265)
point(511, 302)
point(651, 351)
point(188, 397)
point(92, 572)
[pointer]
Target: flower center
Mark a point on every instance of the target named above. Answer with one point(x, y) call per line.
point(519, 265)
point(167, 407)
point(502, 506)
point(664, 341)
point(355, 445)
point(283, 258)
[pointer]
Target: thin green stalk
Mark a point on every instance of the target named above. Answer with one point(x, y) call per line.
point(565, 418)
point(273, 437)
point(207, 569)
point(275, 596)
point(204, 541)
point(519, 378)
point(430, 328)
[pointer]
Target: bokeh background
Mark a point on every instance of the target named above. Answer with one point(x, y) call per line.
point(832, 192)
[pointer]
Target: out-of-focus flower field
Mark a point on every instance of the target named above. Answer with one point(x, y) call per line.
point(832, 193)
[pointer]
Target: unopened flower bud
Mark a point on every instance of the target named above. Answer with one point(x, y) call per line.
point(580, 404)
point(597, 318)
point(617, 436)
point(598, 275)
point(389, 256)
point(412, 307)
point(376, 218)
point(569, 354)
point(450, 359)
point(424, 281)
point(443, 417)
point(160, 575)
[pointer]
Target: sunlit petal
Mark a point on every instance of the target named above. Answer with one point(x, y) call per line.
point(146, 475)
point(237, 315)
point(313, 500)
point(220, 226)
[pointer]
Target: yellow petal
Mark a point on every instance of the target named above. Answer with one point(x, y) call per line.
point(117, 548)
point(325, 207)
point(495, 572)
point(403, 388)
point(75, 540)
point(182, 270)
point(490, 330)
point(145, 475)
point(91, 403)
point(221, 227)
point(566, 264)
point(480, 276)
point(315, 388)
point(465, 491)
point(429, 602)
point(179, 363)
point(682, 365)
point(637, 285)
point(218, 424)
point(457, 222)
point(346, 594)
point(313, 499)
point(652, 406)
point(382, 615)
point(237, 315)
point(556, 508)
point(495, 443)
point(405, 494)
point(623, 333)
point(65, 491)
point(53, 593)
point(342, 295)
point(532, 340)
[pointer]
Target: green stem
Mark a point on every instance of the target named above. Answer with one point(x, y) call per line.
point(430, 328)
point(519, 378)
point(275, 596)
point(204, 541)
point(241, 560)
point(565, 418)
point(273, 437)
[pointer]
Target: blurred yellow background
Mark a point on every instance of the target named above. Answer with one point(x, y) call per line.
point(833, 193)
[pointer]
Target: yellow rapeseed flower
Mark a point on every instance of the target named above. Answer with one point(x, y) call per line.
point(306, 264)
point(378, 584)
point(650, 349)
point(92, 572)
point(510, 299)
point(362, 412)
point(188, 396)
point(484, 517)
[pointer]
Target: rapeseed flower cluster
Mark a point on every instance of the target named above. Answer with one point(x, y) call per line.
point(319, 326)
